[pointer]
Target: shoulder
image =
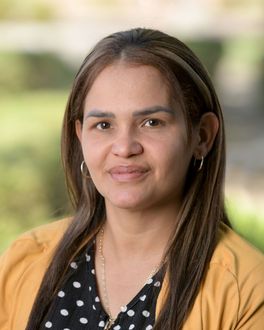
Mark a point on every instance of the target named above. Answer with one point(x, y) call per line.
point(234, 284)
point(35, 244)
point(32, 246)
point(41, 239)
point(22, 267)
point(46, 235)
point(239, 258)
point(235, 253)
point(232, 293)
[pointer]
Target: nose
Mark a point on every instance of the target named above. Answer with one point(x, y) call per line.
point(126, 144)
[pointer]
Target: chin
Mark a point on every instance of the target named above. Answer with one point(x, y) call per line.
point(127, 203)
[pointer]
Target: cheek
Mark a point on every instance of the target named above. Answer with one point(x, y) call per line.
point(173, 159)
point(93, 153)
point(88, 150)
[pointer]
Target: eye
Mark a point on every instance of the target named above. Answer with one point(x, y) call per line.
point(103, 125)
point(153, 122)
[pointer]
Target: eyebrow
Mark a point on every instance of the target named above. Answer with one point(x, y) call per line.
point(143, 112)
point(99, 114)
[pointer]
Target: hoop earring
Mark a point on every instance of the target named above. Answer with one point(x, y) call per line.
point(201, 164)
point(82, 170)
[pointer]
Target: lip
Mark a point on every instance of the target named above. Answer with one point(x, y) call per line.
point(124, 173)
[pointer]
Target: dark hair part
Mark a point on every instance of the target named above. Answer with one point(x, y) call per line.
point(195, 233)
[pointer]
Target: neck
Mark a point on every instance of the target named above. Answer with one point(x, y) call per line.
point(138, 235)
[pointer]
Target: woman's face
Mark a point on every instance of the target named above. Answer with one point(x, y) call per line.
point(134, 141)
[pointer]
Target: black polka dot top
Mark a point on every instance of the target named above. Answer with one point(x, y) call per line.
point(77, 305)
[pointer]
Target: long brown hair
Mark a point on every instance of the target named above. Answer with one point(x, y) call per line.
point(195, 233)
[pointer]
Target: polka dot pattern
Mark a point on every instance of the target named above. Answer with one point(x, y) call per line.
point(131, 312)
point(101, 324)
point(83, 320)
point(61, 294)
point(64, 312)
point(48, 325)
point(76, 284)
point(74, 265)
point(78, 305)
point(123, 309)
point(146, 313)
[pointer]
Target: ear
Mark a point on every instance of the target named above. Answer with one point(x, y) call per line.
point(207, 130)
point(78, 130)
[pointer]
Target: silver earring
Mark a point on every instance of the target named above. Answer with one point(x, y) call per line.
point(201, 163)
point(82, 170)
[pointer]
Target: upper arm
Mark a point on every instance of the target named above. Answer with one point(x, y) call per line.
point(15, 266)
point(251, 309)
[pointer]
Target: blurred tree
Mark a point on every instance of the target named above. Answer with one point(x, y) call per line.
point(209, 51)
point(32, 189)
point(22, 71)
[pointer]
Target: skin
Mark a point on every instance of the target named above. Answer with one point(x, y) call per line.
point(134, 142)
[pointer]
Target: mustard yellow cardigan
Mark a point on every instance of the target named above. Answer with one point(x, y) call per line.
point(231, 296)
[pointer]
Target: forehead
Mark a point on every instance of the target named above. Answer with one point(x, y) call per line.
point(127, 85)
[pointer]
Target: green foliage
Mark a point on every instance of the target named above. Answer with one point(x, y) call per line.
point(32, 189)
point(22, 71)
point(209, 51)
point(247, 222)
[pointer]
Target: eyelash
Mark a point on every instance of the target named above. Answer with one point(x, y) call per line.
point(100, 123)
point(155, 120)
point(160, 122)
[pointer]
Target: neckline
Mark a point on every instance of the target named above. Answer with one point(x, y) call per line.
point(157, 277)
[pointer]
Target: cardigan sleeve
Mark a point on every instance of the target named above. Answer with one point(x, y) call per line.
point(251, 293)
point(14, 264)
point(22, 268)
point(231, 296)
point(231, 302)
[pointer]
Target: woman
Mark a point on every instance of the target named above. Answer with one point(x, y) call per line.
point(150, 245)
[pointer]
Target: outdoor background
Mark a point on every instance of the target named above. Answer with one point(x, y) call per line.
point(42, 43)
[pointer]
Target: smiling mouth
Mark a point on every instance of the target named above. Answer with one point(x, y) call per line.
point(128, 173)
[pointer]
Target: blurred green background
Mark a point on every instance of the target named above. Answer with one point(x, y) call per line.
point(42, 45)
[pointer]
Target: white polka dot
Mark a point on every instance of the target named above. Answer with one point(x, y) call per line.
point(117, 327)
point(79, 303)
point(132, 326)
point(142, 298)
point(131, 312)
point(93, 271)
point(149, 327)
point(157, 284)
point(149, 281)
point(48, 324)
point(88, 258)
point(123, 309)
point(83, 320)
point(94, 308)
point(101, 324)
point(90, 288)
point(66, 329)
point(61, 294)
point(76, 284)
point(73, 265)
point(64, 312)
point(146, 313)
point(97, 299)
